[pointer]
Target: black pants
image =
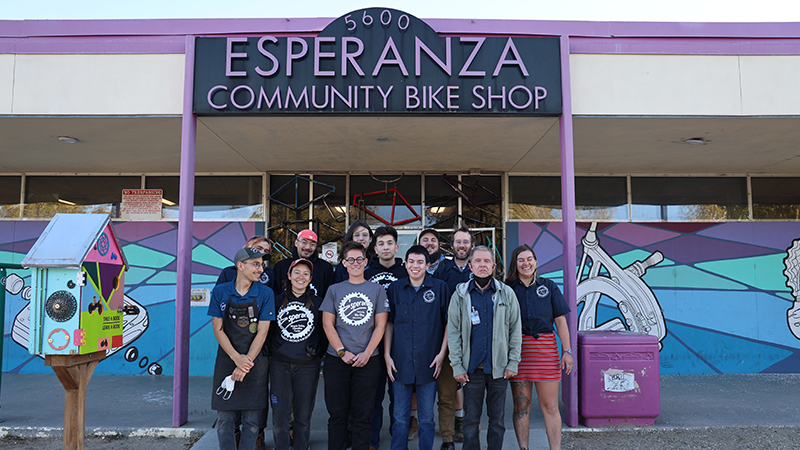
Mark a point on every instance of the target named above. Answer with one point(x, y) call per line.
point(350, 393)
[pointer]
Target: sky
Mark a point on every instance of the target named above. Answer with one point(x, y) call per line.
point(583, 10)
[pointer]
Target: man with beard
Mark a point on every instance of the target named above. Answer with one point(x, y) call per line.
point(305, 246)
point(430, 238)
point(453, 272)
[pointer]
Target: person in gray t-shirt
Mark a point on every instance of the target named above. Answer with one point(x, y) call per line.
point(354, 315)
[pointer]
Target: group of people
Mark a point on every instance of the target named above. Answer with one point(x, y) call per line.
point(418, 328)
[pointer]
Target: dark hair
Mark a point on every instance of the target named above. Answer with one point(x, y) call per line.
point(287, 285)
point(387, 230)
point(348, 237)
point(464, 229)
point(353, 245)
point(513, 274)
point(417, 250)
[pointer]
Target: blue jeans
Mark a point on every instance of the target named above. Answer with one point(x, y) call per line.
point(226, 424)
point(426, 397)
point(286, 379)
point(481, 384)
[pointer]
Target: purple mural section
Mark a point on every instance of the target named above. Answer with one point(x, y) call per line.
point(148, 327)
point(720, 297)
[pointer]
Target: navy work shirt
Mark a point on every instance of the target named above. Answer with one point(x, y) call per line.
point(481, 338)
point(449, 272)
point(419, 318)
point(539, 305)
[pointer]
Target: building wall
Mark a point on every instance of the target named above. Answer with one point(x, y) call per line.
point(728, 293)
point(602, 84)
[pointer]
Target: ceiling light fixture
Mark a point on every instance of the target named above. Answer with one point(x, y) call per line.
point(167, 202)
point(61, 200)
point(68, 139)
point(695, 141)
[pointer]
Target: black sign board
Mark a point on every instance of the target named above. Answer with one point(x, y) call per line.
point(377, 60)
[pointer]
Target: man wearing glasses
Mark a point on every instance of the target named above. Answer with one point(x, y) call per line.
point(263, 245)
point(305, 246)
point(354, 315)
point(241, 311)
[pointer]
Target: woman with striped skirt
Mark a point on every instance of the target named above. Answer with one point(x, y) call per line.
point(541, 306)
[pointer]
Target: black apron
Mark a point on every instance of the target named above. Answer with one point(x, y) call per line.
point(240, 324)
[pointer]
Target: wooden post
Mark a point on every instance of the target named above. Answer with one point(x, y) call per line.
point(74, 372)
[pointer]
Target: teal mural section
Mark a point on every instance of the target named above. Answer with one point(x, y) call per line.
point(721, 297)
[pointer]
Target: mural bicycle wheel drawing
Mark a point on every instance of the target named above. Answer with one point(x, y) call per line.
point(792, 273)
point(636, 301)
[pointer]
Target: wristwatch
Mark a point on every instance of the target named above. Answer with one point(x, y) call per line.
point(340, 352)
point(568, 351)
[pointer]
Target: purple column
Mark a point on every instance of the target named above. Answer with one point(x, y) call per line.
point(569, 387)
point(180, 387)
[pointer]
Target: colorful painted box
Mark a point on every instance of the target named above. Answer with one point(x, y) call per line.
point(77, 286)
point(618, 378)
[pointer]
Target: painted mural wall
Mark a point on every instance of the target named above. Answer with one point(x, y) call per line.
point(149, 313)
point(721, 297)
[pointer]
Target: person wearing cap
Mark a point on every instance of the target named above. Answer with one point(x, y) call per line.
point(241, 311)
point(354, 318)
point(305, 246)
point(296, 344)
point(415, 345)
point(430, 239)
point(264, 246)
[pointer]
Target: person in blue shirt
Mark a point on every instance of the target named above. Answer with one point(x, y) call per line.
point(453, 272)
point(264, 246)
point(484, 335)
point(241, 312)
point(416, 325)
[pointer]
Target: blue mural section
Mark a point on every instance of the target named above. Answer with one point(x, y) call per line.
point(726, 294)
point(150, 248)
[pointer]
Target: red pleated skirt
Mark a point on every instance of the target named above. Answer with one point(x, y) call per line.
point(540, 359)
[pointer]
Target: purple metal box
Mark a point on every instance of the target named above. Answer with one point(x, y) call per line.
point(618, 380)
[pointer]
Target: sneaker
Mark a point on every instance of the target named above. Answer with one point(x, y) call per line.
point(413, 428)
point(448, 446)
point(260, 444)
point(459, 430)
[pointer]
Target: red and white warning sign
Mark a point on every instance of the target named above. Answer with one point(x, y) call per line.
point(330, 252)
point(141, 204)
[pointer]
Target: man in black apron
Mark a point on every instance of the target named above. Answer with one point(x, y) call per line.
point(241, 312)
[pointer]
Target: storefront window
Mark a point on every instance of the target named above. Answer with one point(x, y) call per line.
point(386, 199)
point(441, 201)
point(776, 198)
point(288, 211)
point(47, 195)
point(9, 197)
point(330, 209)
point(684, 199)
point(215, 197)
point(596, 198)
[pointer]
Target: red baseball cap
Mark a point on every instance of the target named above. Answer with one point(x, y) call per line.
point(307, 234)
point(301, 261)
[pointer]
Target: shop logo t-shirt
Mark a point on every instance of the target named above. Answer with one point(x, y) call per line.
point(355, 309)
point(296, 322)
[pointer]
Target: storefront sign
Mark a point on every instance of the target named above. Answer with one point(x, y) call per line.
point(377, 60)
point(141, 204)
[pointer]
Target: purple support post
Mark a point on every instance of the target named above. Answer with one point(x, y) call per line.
point(569, 387)
point(180, 386)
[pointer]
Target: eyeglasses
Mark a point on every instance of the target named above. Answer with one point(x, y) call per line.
point(256, 264)
point(358, 260)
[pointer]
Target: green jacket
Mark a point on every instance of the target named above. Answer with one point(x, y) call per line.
point(506, 326)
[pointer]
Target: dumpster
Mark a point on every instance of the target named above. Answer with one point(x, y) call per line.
point(618, 380)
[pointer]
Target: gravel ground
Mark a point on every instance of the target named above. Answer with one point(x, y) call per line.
point(96, 443)
point(729, 438)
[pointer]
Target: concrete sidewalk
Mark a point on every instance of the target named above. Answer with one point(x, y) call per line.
point(134, 405)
